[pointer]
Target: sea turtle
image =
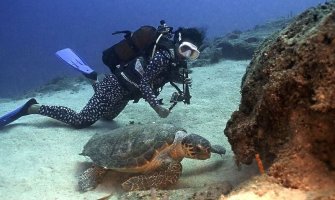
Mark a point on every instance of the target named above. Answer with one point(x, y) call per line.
point(152, 152)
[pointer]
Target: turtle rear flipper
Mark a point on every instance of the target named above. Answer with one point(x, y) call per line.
point(160, 179)
point(91, 178)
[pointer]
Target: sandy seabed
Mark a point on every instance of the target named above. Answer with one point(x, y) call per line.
point(39, 155)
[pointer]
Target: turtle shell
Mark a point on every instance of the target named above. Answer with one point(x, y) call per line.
point(131, 146)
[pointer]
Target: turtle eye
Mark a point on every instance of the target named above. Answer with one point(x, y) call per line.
point(197, 149)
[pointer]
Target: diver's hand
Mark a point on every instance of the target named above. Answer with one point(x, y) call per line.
point(161, 111)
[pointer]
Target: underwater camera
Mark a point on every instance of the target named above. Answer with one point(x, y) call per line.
point(181, 96)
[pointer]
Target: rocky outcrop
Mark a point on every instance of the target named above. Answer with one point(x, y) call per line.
point(238, 45)
point(287, 109)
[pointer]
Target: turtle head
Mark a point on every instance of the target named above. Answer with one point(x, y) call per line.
point(196, 147)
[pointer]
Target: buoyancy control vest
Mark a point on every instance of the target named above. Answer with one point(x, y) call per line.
point(130, 75)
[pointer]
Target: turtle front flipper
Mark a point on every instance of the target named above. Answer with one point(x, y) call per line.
point(159, 179)
point(91, 178)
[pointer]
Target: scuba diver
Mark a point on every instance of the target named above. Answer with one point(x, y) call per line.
point(151, 66)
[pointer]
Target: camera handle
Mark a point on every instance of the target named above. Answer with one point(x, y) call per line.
point(178, 96)
point(186, 88)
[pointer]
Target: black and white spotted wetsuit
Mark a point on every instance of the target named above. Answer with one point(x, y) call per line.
point(110, 97)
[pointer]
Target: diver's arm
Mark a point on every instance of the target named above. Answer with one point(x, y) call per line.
point(157, 64)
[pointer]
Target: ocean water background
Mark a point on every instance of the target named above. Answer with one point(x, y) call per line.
point(32, 31)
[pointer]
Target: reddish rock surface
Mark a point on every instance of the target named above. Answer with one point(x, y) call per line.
point(287, 110)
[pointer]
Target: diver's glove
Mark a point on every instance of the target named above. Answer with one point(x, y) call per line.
point(161, 111)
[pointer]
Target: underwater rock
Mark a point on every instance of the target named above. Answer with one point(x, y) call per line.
point(239, 50)
point(232, 36)
point(244, 46)
point(287, 109)
point(251, 39)
point(238, 45)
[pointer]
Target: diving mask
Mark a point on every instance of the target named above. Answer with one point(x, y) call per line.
point(188, 50)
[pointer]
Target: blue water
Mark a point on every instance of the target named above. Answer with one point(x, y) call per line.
point(31, 31)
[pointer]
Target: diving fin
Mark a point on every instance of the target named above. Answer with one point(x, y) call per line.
point(17, 113)
point(70, 57)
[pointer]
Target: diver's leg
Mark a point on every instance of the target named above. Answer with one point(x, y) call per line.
point(108, 92)
point(88, 115)
point(115, 110)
